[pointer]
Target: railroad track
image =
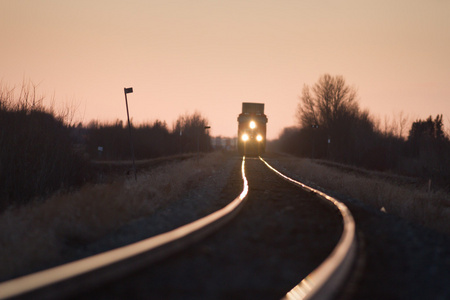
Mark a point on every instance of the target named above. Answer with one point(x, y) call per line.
point(333, 255)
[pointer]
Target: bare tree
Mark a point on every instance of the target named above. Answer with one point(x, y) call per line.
point(67, 112)
point(399, 123)
point(330, 106)
point(193, 136)
point(330, 100)
point(388, 128)
point(306, 112)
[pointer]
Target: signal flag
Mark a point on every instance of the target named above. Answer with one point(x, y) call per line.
point(128, 90)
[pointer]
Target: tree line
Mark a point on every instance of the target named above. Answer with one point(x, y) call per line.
point(331, 125)
point(42, 151)
point(111, 141)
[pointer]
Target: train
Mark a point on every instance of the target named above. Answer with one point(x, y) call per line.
point(252, 127)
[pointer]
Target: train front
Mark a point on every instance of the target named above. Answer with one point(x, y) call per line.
point(252, 129)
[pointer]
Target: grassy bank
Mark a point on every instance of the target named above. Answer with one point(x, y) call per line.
point(37, 234)
point(409, 201)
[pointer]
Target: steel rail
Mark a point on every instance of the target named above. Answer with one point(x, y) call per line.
point(326, 279)
point(63, 280)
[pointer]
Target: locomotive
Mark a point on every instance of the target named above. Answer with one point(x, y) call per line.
point(252, 129)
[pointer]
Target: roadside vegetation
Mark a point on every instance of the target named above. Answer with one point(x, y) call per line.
point(43, 151)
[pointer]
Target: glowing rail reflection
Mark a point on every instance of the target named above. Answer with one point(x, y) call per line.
point(324, 281)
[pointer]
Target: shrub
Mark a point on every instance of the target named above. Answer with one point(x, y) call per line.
point(37, 154)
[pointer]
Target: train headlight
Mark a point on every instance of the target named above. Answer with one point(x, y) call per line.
point(252, 124)
point(244, 137)
point(259, 138)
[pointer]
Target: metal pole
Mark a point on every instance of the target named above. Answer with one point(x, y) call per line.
point(129, 130)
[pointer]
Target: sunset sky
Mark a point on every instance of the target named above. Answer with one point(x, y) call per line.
point(210, 56)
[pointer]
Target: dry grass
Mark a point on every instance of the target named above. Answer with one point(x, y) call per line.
point(431, 209)
point(37, 234)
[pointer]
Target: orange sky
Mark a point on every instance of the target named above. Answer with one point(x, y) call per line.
point(210, 56)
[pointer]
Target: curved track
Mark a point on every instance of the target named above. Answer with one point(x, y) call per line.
point(322, 282)
point(326, 279)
